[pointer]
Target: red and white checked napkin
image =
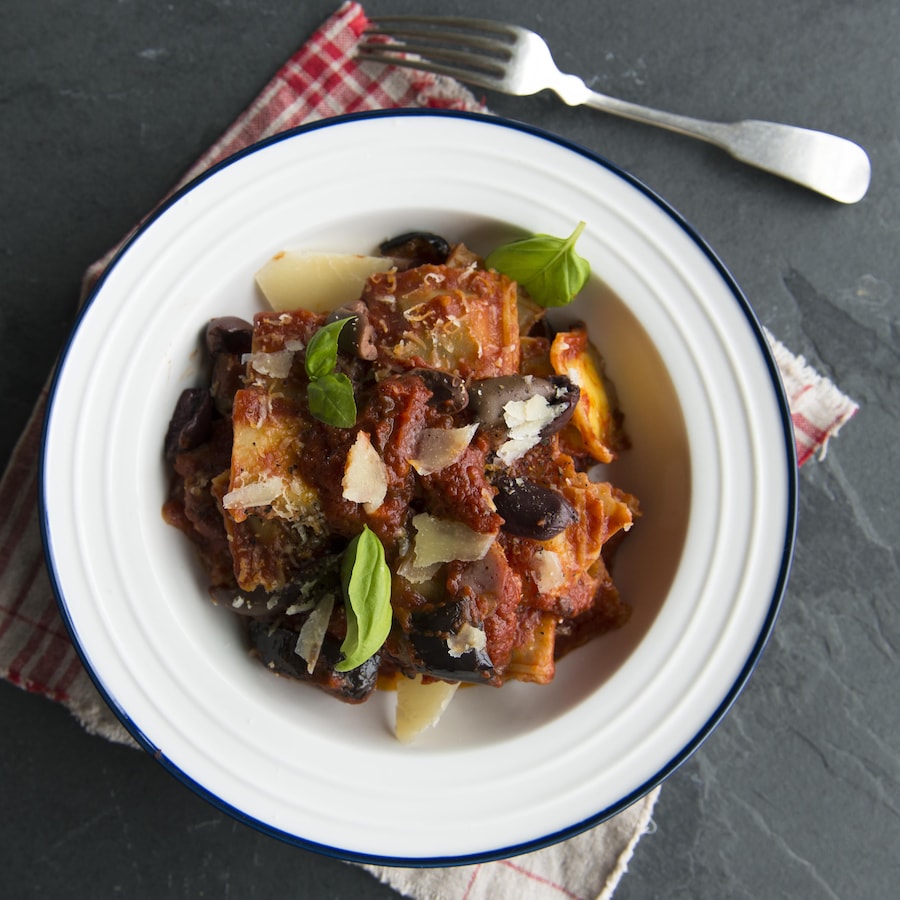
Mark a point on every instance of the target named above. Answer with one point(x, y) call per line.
point(323, 79)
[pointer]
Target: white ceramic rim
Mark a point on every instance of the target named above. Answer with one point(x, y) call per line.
point(85, 578)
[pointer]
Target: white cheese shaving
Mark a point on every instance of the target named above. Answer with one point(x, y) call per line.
point(257, 493)
point(443, 540)
point(467, 638)
point(525, 419)
point(416, 574)
point(297, 608)
point(365, 474)
point(548, 571)
point(275, 365)
point(312, 634)
point(441, 447)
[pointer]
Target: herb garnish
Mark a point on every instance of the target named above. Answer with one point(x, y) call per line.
point(547, 267)
point(366, 580)
point(330, 393)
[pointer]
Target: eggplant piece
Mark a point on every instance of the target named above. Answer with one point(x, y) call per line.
point(416, 248)
point(258, 603)
point(448, 392)
point(489, 396)
point(530, 510)
point(309, 585)
point(275, 646)
point(446, 641)
point(191, 422)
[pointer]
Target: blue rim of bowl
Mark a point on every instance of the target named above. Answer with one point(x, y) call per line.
point(774, 606)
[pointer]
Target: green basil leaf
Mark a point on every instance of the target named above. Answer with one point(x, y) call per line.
point(547, 267)
point(366, 580)
point(331, 400)
point(321, 351)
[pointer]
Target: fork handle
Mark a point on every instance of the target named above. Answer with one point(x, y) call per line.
point(826, 163)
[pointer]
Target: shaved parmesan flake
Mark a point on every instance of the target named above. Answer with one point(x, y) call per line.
point(312, 634)
point(365, 474)
point(548, 571)
point(441, 447)
point(257, 493)
point(443, 540)
point(467, 638)
point(276, 365)
point(525, 419)
point(318, 282)
point(420, 706)
point(416, 574)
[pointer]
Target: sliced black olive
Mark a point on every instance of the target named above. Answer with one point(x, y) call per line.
point(228, 334)
point(448, 392)
point(563, 396)
point(191, 422)
point(532, 511)
point(275, 645)
point(440, 639)
point(489, 396)
point(357, 337)
point(416, 248)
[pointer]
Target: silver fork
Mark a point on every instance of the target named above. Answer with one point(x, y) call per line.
point(514, 60)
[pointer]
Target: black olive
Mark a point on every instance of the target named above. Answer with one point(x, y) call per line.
point(416, 248)
point(489, 396)
point(357, 337)
point(227, 379)
point(448, 392)
point(191, 422)
point(532, 511)
point(228, 334)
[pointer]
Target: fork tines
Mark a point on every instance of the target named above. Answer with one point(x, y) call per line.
point(442, 45)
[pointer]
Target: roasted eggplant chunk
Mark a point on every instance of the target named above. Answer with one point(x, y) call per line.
point(447, 641)
point(275, 645)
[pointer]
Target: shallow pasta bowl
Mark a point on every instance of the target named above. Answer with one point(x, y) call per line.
point(506, 770)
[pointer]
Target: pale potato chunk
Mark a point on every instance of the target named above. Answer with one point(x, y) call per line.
point(318, 282)
point(419, 706)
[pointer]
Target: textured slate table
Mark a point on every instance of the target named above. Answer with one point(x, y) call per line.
point(104, 104)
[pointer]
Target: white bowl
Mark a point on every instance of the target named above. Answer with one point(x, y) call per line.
point(506, 770)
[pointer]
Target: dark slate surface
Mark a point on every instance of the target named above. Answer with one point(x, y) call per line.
point(104, 104)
